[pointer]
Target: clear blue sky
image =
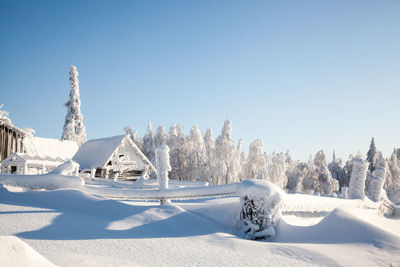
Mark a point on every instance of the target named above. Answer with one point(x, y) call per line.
point(301, 75)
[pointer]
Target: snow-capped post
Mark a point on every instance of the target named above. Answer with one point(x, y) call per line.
point(163, 167)
point(74, 129)
point(357, 180)
point(261, 208)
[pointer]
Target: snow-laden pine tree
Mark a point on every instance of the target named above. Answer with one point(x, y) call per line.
point(74, 129)
point(276, 167)
point(225, 153)
point(393, 185)
point(256, 164)
point(196, 155)
point(149, 143)
point(309, 184)
point(210, 167)
point(378, 178)
point(176, 142)
point(371, 156)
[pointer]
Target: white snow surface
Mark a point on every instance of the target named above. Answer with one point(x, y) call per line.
point(15, 252)
point(75, 228)
point(50, 147)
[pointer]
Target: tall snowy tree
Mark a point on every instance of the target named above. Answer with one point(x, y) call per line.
point(210, 166)
point(74, 129)
point(134, 136)
point(176, 141)
point(149, 143)
point(371, 156)
point(256, 164)
point(225, 153)
point(196, 154)
point(335, 167)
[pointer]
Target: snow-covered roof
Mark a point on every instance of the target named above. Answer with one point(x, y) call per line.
point(33, 159)
point(50, 147)
point(96, 153)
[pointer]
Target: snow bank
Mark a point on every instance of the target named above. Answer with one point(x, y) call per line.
point(261, 208)
point(15, 252)
point(69, 168)
point(47, 181)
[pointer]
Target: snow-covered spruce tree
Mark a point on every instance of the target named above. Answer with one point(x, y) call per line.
point(335, 167)
point(239, 158)
point(378, 178)
point(225, 153)
point(393, 185)
point(149, 143)
point(210, 171)
point(296, 176)
point(371, 156)
point(163, 167)
point(256, 164)
point(347, 169)
point(357, 180)
point(176, 142)
point(196, 154)
point(74, 129)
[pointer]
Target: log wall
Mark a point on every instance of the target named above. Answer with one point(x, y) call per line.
point(10, 141)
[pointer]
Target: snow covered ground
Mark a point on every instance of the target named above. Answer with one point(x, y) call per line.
point(72, 227)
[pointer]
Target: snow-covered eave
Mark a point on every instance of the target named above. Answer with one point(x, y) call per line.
point(12, 127)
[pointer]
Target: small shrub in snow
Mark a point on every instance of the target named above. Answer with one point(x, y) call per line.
point(357, 180)
point(261, 208)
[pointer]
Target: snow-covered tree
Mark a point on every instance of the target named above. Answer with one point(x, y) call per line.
point(296, 176)
point(378, 178)
point(176, 142)
point(256, 164)
point(357, 180)
point(276, 167)
point(160, 137)
point(335, 167)
point(4, 115)
point(393, 185)
point(149, 143)
point(309, 184)
point(74, 129)
point(196, 155)
point(134, 136)
point(371, 156)
point(210, 171)
point(326, 184)
point(225, 153)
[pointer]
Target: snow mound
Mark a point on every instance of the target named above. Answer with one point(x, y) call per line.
point(47, 181)
point(339, 226)
point(15, 252)
point(69, 167)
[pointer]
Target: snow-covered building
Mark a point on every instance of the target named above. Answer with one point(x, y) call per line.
point(11, 137)
point(108, 157)
point(40, 155)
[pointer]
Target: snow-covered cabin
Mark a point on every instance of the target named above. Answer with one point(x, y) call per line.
point(41, 155)
point(11, 138)
point(107, 157)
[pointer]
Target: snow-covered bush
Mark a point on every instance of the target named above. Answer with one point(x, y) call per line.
point(357, 180)
point(261, 208)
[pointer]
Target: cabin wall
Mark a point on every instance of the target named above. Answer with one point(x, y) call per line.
point(11, 141)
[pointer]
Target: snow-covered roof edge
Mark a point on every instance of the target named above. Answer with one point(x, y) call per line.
point(140, 153)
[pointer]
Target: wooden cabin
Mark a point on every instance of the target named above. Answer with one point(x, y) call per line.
point(112, 157)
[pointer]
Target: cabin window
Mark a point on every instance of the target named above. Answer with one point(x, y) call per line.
point(109, 163)
point(121, 156)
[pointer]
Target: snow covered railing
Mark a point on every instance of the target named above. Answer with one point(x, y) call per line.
point(176, 194)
